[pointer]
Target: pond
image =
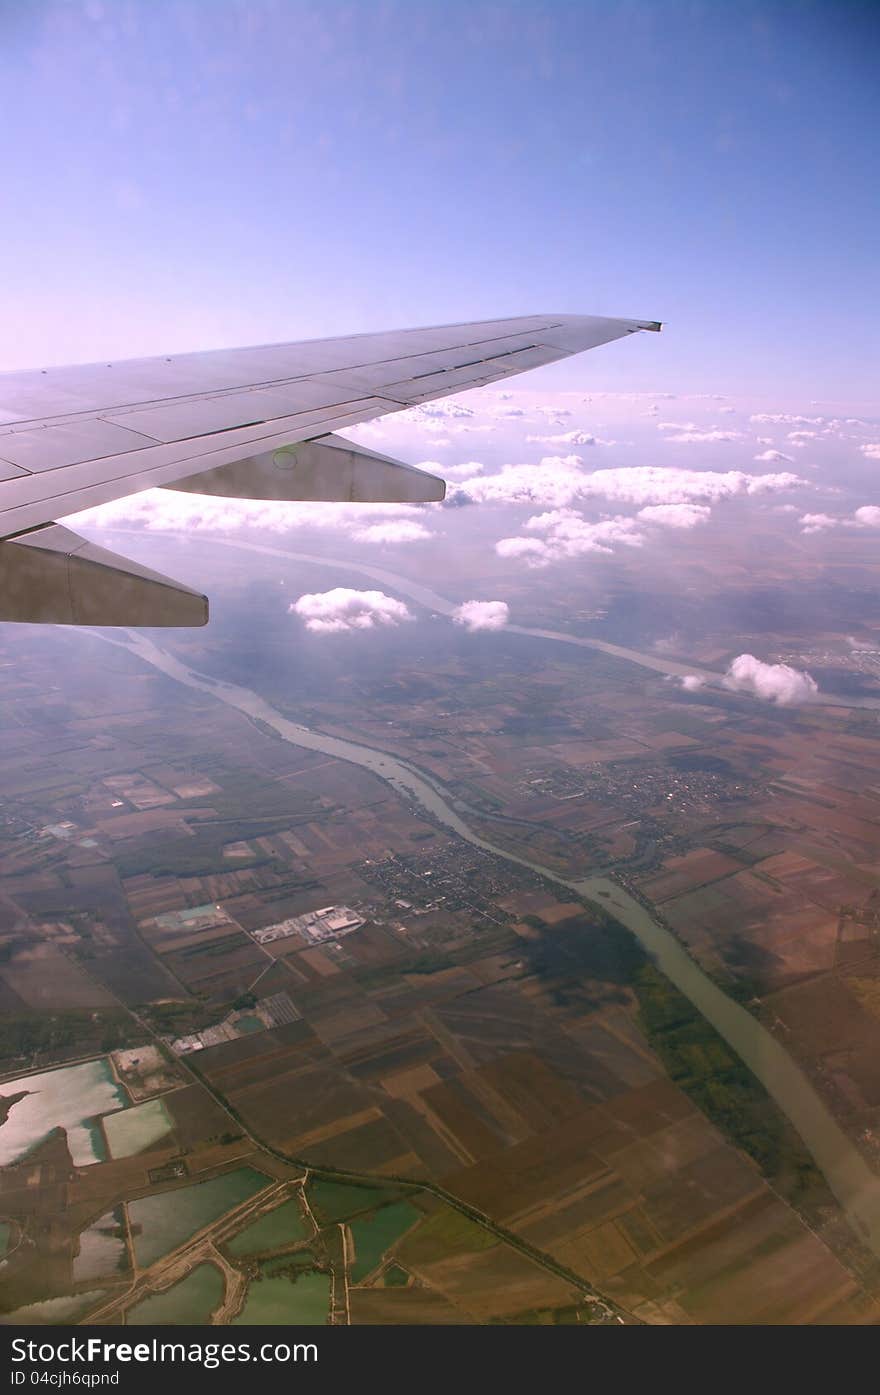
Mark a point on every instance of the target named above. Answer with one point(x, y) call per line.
point(193, 1300)
point(283, 1226)
point(273, 1302)
point(52, 1310)
point(373, 1236)
point(132, 1130)
point(162, 1222)
point(72, 1098)
point(103, 1252)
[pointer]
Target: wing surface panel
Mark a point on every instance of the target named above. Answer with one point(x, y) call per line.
point(71, 438)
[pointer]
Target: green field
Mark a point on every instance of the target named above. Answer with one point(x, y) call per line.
point(336, 1201)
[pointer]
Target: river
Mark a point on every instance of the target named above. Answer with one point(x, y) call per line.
point(855, 1185)
point(422, 595)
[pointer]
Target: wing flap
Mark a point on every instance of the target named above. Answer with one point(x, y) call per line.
point(32, 499)
point(329, 469)
point(54, 577)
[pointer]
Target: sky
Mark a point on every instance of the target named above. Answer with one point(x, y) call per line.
point(194, 174)
point(211, 173)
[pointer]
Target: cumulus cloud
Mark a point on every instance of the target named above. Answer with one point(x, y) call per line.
point(692, 682)
point(532, 550)
point(817, 522)
point(703, 437)
point(465, 471)
point(689, 433)
point(560, 480)
point(482, 615)
point(162, 510)
point(404, 531)
point(342, 610)
point(777, 683)
point(786, 419)
point(569, 534)
point(773, 455)
point(871, 449)
point(675, 515)
point(570, 438)
point(868, 516)
point(800, 438)
point(445, 408)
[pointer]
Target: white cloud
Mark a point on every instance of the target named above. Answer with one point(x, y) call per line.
point(558, 481)
point(342, 610)
point(532, 549)
point(675, 515)
point(704, 437)
point(466, 470)
point(787, 687)
point(445, 408)
point(871, 449)
point(773, 455)
point(692, 682)
point(163, 510)
point(482, 615)
point(404, 531)
point(800, 438)
point(817, 522)
point(690, 433)
point(786, 419)
point(570, 438)
point(569, 534)
point(868, 516)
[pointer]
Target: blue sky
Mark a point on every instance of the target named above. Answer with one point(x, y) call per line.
point(185, 175)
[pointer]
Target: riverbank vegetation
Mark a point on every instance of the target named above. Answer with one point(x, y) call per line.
point(709, 1071)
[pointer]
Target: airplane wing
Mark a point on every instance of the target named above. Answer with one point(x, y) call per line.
point(254, 423)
